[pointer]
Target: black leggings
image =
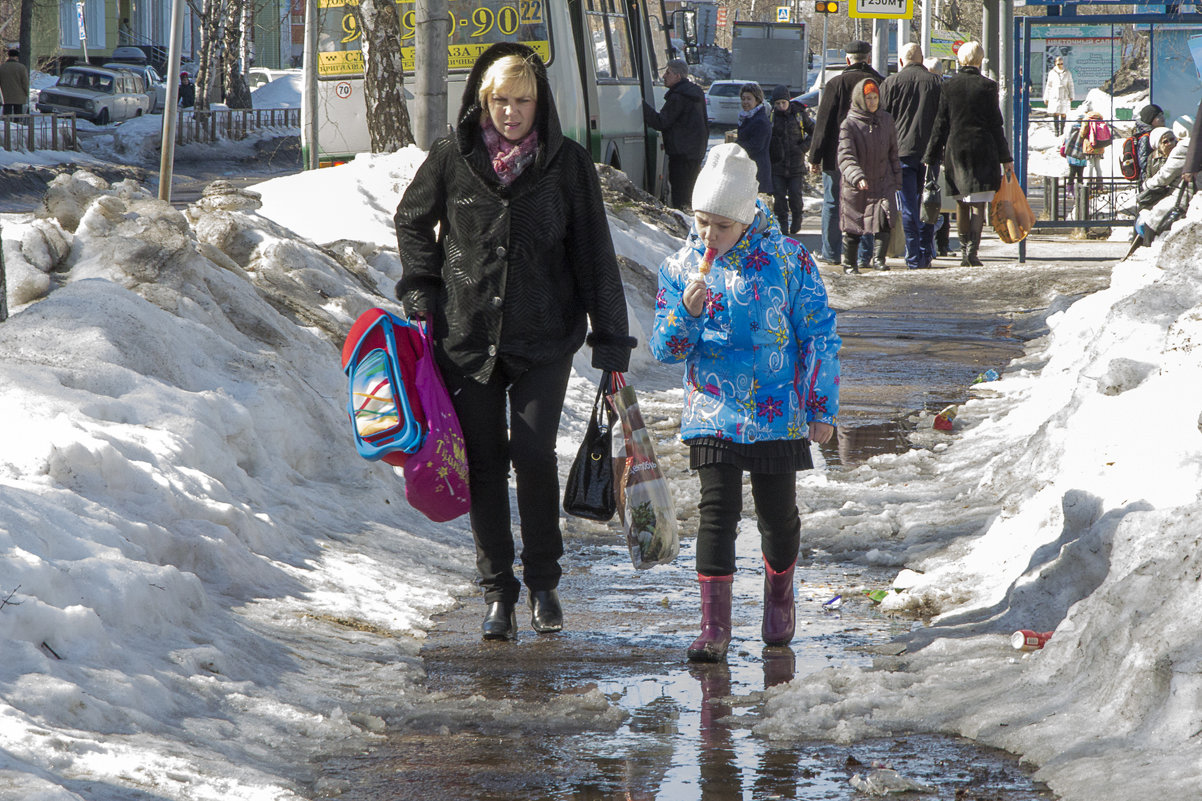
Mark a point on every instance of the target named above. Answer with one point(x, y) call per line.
point(527, 441)
point(721, 505)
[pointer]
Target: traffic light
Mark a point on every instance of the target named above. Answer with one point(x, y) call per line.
point(825, 7)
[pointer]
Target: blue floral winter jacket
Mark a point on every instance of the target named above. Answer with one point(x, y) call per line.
point(762, 359)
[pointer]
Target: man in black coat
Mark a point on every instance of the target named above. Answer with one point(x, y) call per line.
point(911, 96)
point(832, 108)
point(685, 127)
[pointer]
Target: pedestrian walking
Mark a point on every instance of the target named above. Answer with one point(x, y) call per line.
point(791, 133)
point(943, 227)
point(1058, 94)
point(14, 84)
point(682, 120)
point(1084, 146)
point(911, 98)
point(755, 132)
point(761, 357)
point(824, 150)
point(506, 253)
point(871, 175)
point(969, 141)
point(187, 91)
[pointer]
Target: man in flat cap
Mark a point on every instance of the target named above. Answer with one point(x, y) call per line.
point(832, 108)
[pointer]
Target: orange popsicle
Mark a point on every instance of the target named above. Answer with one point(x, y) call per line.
point(707, 261)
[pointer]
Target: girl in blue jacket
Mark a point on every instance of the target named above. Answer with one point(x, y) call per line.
point(744, 308)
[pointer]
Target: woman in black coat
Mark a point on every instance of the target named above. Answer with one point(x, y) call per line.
point(970, 141)
point(506, 251)
point(755, 132)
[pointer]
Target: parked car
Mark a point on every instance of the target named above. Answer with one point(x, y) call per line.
point(722, 102)
point(156, 88)
point(260, 76)
point(99, 94)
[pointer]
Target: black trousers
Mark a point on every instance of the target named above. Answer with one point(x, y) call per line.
point(12, 109)
point(788, 201)
point(682, 174)
point(721, 505)
point(525, 439)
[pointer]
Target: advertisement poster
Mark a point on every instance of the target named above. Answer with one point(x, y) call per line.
point(1092, 53)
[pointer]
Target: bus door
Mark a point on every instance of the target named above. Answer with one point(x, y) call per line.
point(616, 120)
point(648, 21)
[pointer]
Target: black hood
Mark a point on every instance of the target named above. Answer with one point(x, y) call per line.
point(546, 119)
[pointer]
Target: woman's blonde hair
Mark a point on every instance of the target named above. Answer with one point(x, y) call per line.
point(970, 54)
point(508, 75)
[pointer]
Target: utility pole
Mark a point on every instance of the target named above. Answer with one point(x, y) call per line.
point(431, 28)
point(309, 104)
point(171, 104)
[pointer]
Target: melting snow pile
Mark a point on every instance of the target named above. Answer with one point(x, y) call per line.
point(1068, 500)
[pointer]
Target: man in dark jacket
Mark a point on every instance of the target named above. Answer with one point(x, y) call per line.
point(685, 128)
point(832, 108)
point(911, 96)
point(14, 84)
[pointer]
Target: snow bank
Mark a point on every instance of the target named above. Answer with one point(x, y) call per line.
point(185, 533)
point(1067, 501)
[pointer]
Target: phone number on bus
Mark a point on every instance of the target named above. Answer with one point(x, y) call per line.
point(474, 26)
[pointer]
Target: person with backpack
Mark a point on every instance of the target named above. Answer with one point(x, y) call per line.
point(791, 130)
point(1160, 195)
point(1058, 94)
point(1084, 146)
point(506, 252)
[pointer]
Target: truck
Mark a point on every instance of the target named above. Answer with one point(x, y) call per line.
point(771, 53)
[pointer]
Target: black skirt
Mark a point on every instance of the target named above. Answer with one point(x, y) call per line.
point(771, 456)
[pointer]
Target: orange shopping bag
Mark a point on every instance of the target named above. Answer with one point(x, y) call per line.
point(1012, 215)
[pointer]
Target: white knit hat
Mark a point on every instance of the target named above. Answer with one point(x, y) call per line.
point(727, 184)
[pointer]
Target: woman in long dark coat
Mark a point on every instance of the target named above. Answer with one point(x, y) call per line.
point(970, 141)
point(755, 133)
point(869, 173)
point(506, 251)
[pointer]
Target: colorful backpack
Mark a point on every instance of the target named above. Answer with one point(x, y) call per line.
point(380, 358)
point(1129, 157)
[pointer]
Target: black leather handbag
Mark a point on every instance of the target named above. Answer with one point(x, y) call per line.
point(590, 489)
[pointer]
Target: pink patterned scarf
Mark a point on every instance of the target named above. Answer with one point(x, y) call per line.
point(509, 159)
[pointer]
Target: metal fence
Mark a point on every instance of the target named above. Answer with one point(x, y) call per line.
point(218, 124)
point(27, 132)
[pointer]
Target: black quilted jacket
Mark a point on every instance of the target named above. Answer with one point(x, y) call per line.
point(514, 270)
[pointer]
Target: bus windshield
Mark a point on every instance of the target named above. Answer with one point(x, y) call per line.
point(474, 25)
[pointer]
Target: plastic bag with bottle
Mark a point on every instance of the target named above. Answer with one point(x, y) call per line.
point(644, 500)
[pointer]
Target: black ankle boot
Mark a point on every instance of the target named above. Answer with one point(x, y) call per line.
point(546, 615)
point(500, 623)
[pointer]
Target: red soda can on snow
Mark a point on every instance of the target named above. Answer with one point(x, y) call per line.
point(1027, 640)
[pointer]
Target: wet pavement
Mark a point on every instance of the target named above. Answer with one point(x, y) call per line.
point(610, 710)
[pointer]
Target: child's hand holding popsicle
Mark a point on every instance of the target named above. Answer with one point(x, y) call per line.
point(694, 293)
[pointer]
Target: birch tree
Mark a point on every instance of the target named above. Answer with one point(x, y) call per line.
point(383, 76)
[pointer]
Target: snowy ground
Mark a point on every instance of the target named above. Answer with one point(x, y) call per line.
point(203, 585)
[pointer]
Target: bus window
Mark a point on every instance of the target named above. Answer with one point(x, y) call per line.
point(612, 48)
point(473, 26)
point(660, 49)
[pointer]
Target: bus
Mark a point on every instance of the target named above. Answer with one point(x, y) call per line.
point(603, 57)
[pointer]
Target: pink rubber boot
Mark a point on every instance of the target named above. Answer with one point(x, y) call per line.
point(715, 619)
point(780, 616)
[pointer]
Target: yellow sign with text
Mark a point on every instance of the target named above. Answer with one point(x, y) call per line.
point(881, 9)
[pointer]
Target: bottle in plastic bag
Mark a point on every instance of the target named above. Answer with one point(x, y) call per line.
point(644, 501)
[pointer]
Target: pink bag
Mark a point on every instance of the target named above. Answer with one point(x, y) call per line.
point(436, 475)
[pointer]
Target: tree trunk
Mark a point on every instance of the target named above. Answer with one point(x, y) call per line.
point(237, 93)
point(383, 76)
point(207, 91)
point(25, 35)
